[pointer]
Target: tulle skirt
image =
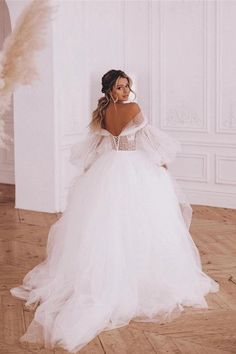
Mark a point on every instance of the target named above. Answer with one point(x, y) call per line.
point(121, 251)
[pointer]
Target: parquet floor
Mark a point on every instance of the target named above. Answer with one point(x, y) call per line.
point(23, 236)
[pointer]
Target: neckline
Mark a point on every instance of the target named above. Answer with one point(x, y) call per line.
point(137, 126)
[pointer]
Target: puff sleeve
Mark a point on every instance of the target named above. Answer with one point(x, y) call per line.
point(84, 152)
point(160, 147)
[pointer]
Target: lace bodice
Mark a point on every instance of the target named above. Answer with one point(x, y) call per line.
point(126, 142)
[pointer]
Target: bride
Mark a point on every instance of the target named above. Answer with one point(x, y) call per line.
point(121, 250)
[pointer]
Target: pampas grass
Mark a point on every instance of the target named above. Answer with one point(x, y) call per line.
point(17, 58)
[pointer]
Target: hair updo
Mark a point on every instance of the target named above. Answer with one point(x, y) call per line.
point(108, 81)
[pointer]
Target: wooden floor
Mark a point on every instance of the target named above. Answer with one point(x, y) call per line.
point(23, 236)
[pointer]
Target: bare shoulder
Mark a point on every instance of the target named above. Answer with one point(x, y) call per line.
point(133, 109)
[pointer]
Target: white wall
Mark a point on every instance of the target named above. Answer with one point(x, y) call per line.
point(197, 103)
point(182, 55)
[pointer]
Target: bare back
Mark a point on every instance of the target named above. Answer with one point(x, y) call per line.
point(116, 120)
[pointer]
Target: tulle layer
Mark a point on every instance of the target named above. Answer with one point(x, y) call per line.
point(121, 251)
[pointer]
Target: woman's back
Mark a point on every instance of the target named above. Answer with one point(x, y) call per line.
point(116, 119)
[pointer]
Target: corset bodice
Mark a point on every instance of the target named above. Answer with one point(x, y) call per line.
point(123, 142)
point(126, 140)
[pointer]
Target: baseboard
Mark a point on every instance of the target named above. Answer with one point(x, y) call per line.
point(211, 198)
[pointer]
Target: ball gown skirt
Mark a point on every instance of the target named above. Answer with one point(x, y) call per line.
point(121, 251)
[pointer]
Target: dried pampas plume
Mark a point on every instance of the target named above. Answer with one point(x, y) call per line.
point(17, 64)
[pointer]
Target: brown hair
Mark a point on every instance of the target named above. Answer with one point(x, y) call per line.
point(108, 81)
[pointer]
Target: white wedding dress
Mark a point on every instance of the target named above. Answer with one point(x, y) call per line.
point(121, 250)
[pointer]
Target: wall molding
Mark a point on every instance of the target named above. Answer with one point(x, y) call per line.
point(219, 118)
point(204, 178)
point(210, 144)
point(218, 178)
point(184, 119)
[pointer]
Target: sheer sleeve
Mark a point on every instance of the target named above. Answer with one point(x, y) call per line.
point(161, 147)
point(84, 152)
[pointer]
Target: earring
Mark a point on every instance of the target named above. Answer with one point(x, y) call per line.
point(107, 97)
point(113, 99)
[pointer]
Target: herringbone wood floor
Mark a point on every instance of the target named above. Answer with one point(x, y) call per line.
point(23, 236)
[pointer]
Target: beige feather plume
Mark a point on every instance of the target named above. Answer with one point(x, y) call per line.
point(17, 62)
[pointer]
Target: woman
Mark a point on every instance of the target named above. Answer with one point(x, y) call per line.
point(121, 250)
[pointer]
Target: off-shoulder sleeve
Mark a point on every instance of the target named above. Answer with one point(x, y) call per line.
point(84, 152)
point(161, 147)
